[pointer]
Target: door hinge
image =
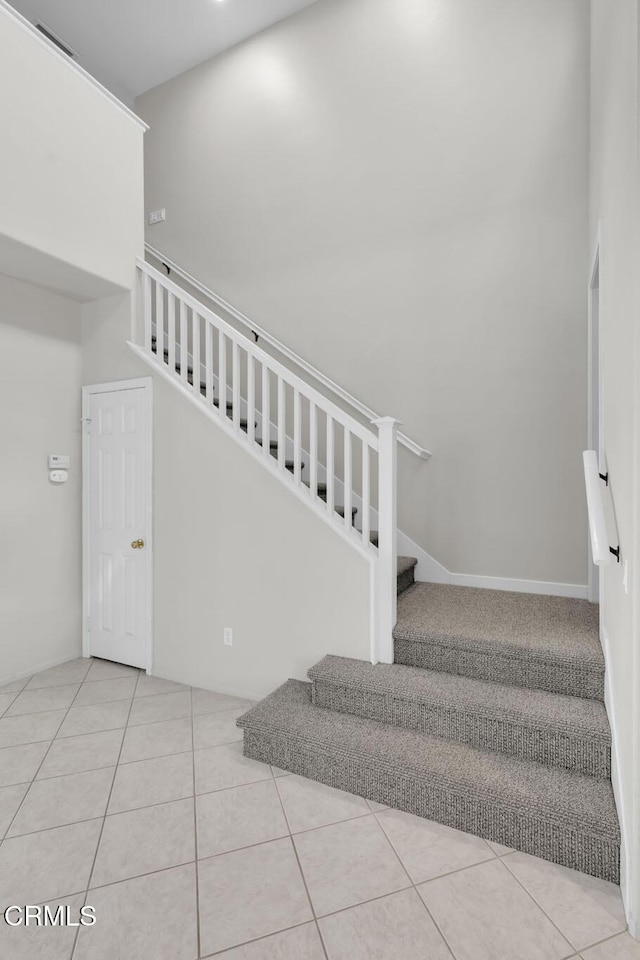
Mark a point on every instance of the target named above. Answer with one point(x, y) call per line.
point(88, 625)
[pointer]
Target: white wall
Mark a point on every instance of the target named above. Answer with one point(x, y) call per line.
point(232, 547)
point(614, 206)
point(70, 163)
point(398, 190)
point(40, 560)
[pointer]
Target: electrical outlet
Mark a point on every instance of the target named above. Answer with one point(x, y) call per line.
point(228, 636)
point(156, 216)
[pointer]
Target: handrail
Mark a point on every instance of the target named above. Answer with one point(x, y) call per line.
point(358, 429)
point(365, 411)
point(600, 548)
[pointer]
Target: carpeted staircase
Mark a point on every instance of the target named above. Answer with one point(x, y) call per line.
point(491, 720)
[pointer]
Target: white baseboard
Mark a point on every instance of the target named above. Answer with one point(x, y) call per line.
point(429, 570)
point(47, 665)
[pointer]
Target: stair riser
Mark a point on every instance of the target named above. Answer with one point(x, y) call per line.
point(556, 677)
point(406, 580)
point(567, 751)
point(493, 821)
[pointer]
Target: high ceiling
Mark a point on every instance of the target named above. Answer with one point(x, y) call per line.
point(131, 46)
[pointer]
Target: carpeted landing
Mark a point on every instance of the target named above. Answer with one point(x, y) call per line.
point(491, 721)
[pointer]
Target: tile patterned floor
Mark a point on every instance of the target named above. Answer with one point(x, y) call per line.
point(131, 794)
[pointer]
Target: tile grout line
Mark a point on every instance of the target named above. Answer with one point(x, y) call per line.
point(539, 906)
point(414, 886)
point(599, 943)
point(9, 682)
point(98, 703)
point(116, 813)
point(246, 943)
point(304, 879)
point(46, 754)
point(116, 765)
point(10, 704)
point(104, 818)
point(195, 828)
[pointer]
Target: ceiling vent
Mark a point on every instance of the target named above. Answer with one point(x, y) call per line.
point(50, 35)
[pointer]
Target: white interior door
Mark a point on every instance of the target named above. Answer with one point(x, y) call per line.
point(117, 521)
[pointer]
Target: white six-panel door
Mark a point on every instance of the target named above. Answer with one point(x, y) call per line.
point(117, 519)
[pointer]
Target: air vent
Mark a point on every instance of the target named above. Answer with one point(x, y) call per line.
point(50, 35)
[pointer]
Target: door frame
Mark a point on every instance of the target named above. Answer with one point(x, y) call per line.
point(595, 290)
point(115, 386)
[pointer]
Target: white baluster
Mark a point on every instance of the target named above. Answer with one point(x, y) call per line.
point(160, 322)
point(366, 493)
point(330, 467)
point(266, 414)
point(251, 398)
point(208, 361)
point(297, 438)
point(313, 449)
point(236, 385)
point(195, 349)
point(184, 344)
point(171, 331)
point(146, 311)
point(348, 496)
point(222, 374)
point(282, 413)
point(387, 529)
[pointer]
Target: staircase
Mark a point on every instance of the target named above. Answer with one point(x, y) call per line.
point(490, 720)
point(480, 709)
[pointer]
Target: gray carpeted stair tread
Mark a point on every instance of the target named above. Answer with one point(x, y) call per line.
point(216, 403)
point(549, 643)
point(273, 444)
point(340, 511)
point(405, 564)
point(553, 813)
point(570, 732)
point(321, 488)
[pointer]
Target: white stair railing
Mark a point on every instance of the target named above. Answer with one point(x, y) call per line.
point(282, 349)
point(296, 432)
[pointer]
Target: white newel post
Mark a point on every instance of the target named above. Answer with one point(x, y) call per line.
point(385, 581)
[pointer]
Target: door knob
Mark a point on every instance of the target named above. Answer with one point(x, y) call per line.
point(137, 544)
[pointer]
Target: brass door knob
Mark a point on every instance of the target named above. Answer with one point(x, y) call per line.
point(137, 544)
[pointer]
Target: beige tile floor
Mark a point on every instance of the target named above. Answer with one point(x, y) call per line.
point(131, 794)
